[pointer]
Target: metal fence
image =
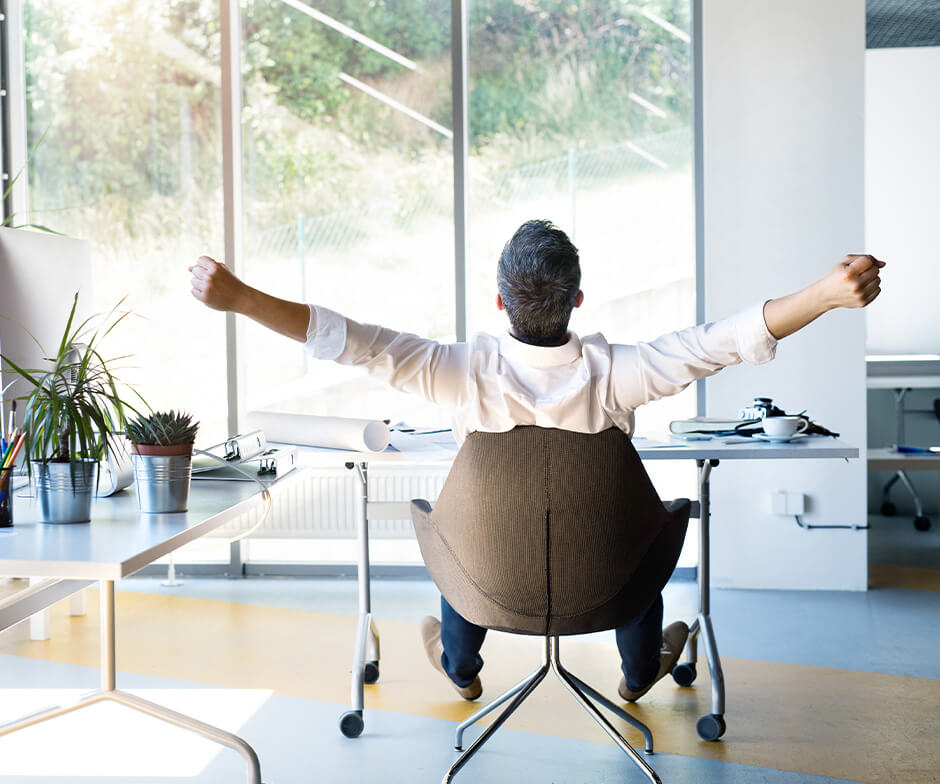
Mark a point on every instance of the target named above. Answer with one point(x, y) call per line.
point(577, 170)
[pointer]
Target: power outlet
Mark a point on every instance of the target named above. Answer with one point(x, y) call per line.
point(787, 504)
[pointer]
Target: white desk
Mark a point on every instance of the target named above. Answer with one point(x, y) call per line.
point(911, 372)
point(117, 543)
point(902, 375)
point(707, 455)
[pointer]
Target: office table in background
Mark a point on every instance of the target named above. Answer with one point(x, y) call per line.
point(118, 542)
point(706, 454)
point(903, 373)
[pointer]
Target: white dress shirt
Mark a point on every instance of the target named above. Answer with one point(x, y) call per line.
point(495, 383)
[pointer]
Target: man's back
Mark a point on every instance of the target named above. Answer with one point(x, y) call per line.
point(586, 385)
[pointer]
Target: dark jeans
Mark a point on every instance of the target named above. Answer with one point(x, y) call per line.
point(639, 641)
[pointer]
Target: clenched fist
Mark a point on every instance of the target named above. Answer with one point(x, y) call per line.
point(214, 285)
point(853, 283)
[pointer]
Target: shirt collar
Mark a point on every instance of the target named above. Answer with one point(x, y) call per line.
point(540, 356)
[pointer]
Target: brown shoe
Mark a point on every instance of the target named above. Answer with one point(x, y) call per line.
point(674, 637)
point(434, 648)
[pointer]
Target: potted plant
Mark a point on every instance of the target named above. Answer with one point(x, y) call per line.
point(73, 417)
point(162, 449)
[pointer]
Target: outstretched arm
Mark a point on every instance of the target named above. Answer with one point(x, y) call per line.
point(405, 362)
point(214, 285)
point(665, 366)
point(853, 283)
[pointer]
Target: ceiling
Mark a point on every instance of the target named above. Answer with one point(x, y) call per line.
point(902, 23)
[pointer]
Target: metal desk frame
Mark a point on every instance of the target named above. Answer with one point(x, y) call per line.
point(67, 577)
point(711, 726)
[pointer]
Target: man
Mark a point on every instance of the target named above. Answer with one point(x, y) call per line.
point(541, 374)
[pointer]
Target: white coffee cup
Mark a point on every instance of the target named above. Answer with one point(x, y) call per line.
point(784, 426)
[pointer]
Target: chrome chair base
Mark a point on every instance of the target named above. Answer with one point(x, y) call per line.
point(581, 691)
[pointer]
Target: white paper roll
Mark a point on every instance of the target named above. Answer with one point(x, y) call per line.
point(360, 435)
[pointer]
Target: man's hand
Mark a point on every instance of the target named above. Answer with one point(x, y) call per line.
point(214, 285)
point(853, 283)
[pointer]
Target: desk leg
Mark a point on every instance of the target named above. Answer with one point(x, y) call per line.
point(365, 664)
point(108, 692)
point(712, 725)
point(40, 622)
point(77, 603)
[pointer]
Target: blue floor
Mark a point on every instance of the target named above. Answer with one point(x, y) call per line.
point(298, 744)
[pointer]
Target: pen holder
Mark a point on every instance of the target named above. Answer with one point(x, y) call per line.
point(6, 497)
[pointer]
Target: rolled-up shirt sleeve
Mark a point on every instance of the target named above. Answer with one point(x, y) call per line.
point(326, 333)
point(437, 371)
point(667, 365)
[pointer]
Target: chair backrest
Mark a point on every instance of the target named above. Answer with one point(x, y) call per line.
point(545, 531)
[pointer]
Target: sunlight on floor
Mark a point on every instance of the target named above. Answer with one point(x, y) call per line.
point(108, 739)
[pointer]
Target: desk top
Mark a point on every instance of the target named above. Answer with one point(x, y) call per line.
point(119, 540)
point(648, 449)
point(811, 447)
point(900, 372)
point(890, 460)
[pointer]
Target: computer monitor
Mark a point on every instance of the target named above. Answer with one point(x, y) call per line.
point(39, 275)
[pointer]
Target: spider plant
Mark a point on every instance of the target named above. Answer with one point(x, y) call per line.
point(74, 409)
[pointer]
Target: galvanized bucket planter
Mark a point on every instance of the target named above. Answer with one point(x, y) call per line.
point(162, 475)
point(66, 490)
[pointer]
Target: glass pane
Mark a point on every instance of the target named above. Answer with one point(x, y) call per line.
point(349, 195)
point(581, 113)
point(123, 113)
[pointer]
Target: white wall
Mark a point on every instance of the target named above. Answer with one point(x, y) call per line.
point(783, 176)
point(902, 191)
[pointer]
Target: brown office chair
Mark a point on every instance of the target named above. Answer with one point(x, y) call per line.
point(549, 532)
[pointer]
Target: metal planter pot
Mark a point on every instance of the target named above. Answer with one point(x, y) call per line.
point(66, 490)
point(162, 478)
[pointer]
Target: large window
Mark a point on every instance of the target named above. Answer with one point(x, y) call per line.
point(581, 113)
point(578, 112)
point(123, 123)
point(348, 187)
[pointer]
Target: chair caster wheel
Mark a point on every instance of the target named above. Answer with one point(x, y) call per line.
point(370, 673)
point(922, 523)
point(711, 726)
point(684, 674)
point(351, 724)
point(888, 509)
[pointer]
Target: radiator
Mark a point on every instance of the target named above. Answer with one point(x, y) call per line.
point(323, 503)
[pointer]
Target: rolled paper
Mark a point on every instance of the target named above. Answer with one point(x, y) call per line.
point(359, 435)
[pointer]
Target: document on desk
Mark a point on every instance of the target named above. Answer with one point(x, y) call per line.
point(423, 444)
point(643, 442)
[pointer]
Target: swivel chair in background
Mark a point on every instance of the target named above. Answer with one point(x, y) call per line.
point(548, 532)
point(888, 507)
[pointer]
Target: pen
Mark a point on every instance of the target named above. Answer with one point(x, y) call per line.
point(12, 419)
point(10, 458)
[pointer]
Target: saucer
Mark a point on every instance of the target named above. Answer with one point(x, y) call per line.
point(780, 439)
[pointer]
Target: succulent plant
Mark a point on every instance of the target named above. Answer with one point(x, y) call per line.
point(163, 428)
